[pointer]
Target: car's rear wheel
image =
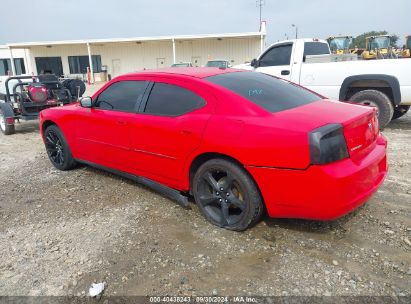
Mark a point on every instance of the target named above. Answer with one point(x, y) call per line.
point(379, 100)
point(5, 128)
point(57, 149)
point(226, 195)
point(400, 111)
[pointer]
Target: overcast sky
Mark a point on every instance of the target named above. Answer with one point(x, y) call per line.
point(43, 20)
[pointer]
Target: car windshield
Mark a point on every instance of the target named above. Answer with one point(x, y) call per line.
point(217, 64)
point(271, 93)
point(340, 43)
point(380, 43)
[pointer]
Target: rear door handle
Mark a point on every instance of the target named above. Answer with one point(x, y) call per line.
point(120, 122)
point(285, 72)
point(186, 132)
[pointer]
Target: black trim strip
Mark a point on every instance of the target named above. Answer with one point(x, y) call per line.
point(160, 188)
point(280, 168)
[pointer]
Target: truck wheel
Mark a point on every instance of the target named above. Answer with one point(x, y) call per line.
point(400, 111)
point(5, 128)
point(374, 98)
point(226, 195)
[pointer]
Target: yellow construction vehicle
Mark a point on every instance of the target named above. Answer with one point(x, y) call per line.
point(379, 47)
point(406, 50)
point(340, 44)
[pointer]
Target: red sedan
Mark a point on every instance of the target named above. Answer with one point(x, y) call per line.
point(239, 142)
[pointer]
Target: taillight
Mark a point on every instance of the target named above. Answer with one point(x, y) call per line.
point(327, 144)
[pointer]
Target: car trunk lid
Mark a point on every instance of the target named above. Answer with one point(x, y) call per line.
point(359, 122)
point(361, 133)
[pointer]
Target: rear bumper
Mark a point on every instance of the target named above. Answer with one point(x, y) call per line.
point(322, 192)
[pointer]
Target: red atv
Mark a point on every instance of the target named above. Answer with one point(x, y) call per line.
point(26, 96)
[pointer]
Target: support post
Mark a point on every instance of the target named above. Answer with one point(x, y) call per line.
point(263, 31)
point(262, 44)
point(90, 62)
point(13, 67)
point(174, 50)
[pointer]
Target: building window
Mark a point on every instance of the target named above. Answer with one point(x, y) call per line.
point(6, 69)
point(19, 65)
point(79, 64)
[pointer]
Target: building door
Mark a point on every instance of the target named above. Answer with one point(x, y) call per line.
point(50, 65)
point(196, 61)
point(161, 63)
point(116, 65)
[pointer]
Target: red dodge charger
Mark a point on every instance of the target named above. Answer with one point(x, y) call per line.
point(240, 142)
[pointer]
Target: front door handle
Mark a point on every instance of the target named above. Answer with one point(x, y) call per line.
point(285, 72)
point(121, 122)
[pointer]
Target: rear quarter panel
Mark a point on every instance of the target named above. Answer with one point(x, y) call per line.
point(326, 78)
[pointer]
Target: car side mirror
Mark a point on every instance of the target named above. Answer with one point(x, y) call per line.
point(86, 102)
point(254, 63)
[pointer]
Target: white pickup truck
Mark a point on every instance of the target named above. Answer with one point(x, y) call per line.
point(385, 84)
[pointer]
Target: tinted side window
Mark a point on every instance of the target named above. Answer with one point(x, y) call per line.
point(172, 100)
point(279, 55)
point(316, 48)
point(270, 93)
point(121, 96)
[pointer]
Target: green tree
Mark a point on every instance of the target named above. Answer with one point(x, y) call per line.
point(359, 41)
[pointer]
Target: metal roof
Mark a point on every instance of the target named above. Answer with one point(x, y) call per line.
point(138, 39)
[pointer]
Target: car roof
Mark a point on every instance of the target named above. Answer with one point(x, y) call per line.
point(196, 72)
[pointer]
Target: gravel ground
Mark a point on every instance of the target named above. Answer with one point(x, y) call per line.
point(61, 231)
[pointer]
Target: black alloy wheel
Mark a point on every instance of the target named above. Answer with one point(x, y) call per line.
point(54, 148)
point(226, 195)
point(57, 149)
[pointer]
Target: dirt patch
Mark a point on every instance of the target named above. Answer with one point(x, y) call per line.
point(61, 231)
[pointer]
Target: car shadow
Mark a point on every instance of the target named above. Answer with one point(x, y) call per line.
point(301, 225)
point(24, 127)
point(312, 226)
point(402, 123)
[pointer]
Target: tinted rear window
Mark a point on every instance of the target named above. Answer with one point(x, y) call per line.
point(316, 48)
point(270, 93)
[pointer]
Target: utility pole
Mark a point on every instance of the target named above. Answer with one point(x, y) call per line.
point(260, 3)
point(296, 30)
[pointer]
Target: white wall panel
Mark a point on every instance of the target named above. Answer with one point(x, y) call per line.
point(133, 56)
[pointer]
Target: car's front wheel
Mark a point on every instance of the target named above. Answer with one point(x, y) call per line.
point(57, 149)
point(226, 195)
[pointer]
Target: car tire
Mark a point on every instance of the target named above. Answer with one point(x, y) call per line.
point(400, 111)
point(385, 109)
point(77, 87)
point(226, 195)
point(57, 149)
point(5, 128)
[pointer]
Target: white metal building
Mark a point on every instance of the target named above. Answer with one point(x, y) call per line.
point(119, 56)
